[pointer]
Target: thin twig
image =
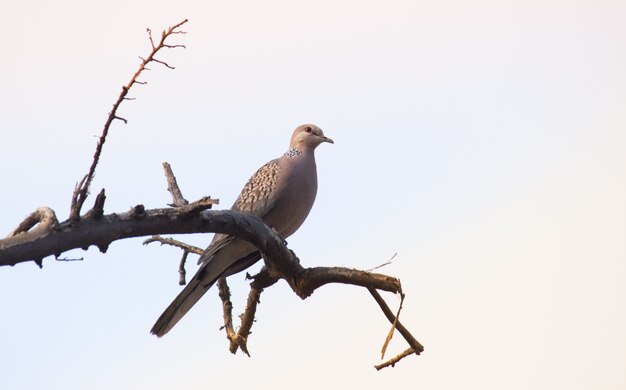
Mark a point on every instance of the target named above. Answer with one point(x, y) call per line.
point(383, 264)
point(82, 189)
point(392, 362)
point(247, 319)
point(176, 243)
point(227, 308)
point(69, 259)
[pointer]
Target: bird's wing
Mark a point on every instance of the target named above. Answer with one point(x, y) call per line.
point(260, 193)
point(258, 197)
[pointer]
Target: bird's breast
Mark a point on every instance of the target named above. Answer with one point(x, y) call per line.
point(298, 188)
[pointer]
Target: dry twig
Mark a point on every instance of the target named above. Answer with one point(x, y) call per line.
point(392, 362)
point(186, 250)
point(172, 187)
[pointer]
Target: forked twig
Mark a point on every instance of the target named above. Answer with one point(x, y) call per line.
point(238, 339)
point(186, 250)
point(416, 347)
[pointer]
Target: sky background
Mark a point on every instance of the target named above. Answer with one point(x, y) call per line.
point(483, 142)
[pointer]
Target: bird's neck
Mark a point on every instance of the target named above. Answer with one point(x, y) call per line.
point(293, 152)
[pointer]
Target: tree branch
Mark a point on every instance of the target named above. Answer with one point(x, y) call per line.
point(137, 222)
point(82, 188)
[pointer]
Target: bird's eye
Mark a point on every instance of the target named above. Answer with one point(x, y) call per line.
point(308, 129)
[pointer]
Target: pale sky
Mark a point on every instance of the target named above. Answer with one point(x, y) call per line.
point(483, 142)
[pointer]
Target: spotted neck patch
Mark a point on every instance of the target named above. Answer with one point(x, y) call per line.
point(292, 152)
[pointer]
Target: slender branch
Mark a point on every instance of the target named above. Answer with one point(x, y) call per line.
point(383, 264)
point(247, 319)
point(82, 188)
point(238, 339)
point(186, 250)
point(179, 244)
point(392, 362)
point(163, 63)
point(227, 309)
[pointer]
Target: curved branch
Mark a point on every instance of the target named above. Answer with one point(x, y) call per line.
point(36, 225)
point(138, 222)
point(43, 217)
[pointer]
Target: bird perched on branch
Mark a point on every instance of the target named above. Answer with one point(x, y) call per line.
point(281, 193)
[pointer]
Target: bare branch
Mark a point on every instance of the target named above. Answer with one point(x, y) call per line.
point(383, 264)
point(310, 279)
point(239, 339)
point(81, 192)
point(172, 186)
point(121, 119)
point(150, 37)
point(227, 309)
point(186, 250)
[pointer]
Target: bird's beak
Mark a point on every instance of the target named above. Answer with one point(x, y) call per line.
point(326, 139)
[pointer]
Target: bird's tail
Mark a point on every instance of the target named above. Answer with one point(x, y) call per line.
point(191, 294)
point(222, 258)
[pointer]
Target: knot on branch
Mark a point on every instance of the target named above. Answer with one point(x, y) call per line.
point(97, 210)
point(138, 211)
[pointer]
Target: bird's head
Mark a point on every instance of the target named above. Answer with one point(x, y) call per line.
point(308, 137)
